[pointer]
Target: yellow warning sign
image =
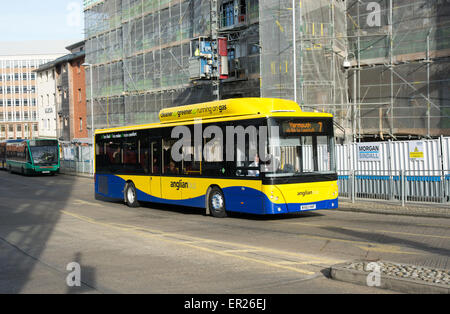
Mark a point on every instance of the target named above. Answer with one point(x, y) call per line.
point(416, 150)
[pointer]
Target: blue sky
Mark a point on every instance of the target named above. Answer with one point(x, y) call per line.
point(24, 20)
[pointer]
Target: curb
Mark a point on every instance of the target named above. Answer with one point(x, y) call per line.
point(428, 210)
point(340, 273)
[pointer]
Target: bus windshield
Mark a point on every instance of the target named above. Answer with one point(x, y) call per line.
point(302, 147)
point(44, 153)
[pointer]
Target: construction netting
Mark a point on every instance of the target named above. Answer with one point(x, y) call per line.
point(380, 66)
point(400, 51)
point(140, 53)
point(316, 78)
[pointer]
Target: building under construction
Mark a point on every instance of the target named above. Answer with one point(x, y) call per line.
point(381, 67)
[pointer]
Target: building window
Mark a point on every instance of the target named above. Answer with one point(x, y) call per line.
point(81, 124)
point(79, 95)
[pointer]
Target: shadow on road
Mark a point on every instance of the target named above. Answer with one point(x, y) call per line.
point(198, 211)
point(30, 208)
point(389, 240)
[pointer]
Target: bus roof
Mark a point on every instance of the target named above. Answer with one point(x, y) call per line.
point(215, 111)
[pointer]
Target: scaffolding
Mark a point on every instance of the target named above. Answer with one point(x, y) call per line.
point(400, 52)
point(380, 66)
point(309, 72)
point(139, 51)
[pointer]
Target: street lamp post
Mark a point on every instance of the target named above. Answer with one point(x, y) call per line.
point(88, 65)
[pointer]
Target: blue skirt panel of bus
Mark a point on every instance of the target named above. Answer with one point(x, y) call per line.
point(237, 199)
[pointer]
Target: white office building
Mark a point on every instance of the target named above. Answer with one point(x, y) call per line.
point(46, 99)
point(19, 114)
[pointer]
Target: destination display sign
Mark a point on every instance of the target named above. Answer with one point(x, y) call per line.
point(294, 127)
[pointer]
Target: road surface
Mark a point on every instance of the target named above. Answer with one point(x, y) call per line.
point(46, 223)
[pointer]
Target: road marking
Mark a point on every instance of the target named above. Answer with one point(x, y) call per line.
point(298, 263)
point(181, 240)
point(367, 245)
point(81, 202)
point(365, 230)
point(240, 251)
point(385, 249)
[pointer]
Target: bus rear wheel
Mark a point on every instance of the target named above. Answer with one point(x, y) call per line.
point(216, 203)
point(131, 195)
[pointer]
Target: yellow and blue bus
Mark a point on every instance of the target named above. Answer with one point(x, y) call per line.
point(222, 169)
point(38, 156)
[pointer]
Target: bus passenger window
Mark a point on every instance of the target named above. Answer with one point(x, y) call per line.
point(170, 166)
point(130, 155)
point(191, 160)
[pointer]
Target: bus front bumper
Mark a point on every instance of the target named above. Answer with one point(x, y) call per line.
point(46, 169)
point(286, 208)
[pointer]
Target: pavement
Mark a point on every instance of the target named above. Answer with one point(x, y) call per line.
point(47, 223)
point(436, 210)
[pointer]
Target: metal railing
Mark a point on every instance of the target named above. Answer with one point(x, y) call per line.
point(71, 166)
point(427, 186)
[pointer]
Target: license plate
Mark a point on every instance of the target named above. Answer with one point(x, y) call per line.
point(45, 171)
point(308, 207)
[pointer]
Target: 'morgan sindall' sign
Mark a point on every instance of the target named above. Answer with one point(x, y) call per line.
point(369, 152)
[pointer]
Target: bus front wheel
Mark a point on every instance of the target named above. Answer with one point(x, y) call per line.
point(216, 203)
point(131, 195)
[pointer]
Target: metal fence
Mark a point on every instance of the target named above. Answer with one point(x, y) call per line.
point(401, 186)
point(72, 166)
point(394, 171)
point(75, 159)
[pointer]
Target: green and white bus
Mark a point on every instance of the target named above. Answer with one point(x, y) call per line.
point(40, 156)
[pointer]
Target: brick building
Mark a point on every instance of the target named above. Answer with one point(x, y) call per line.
point(70, 94)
